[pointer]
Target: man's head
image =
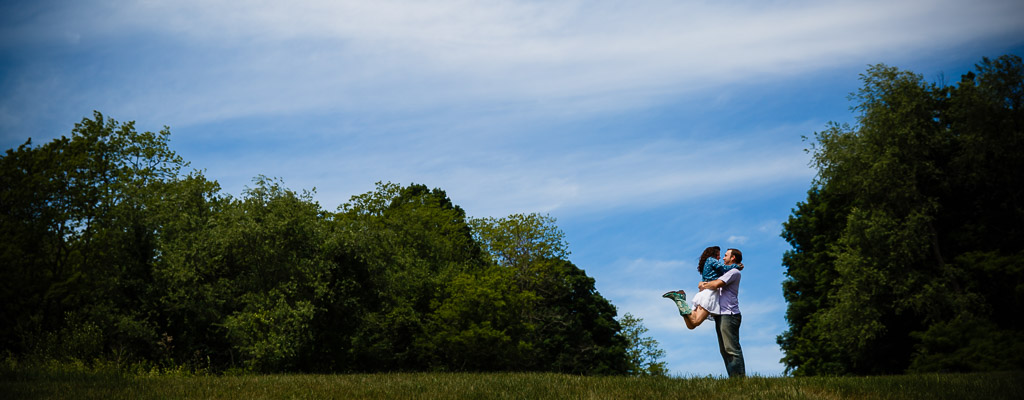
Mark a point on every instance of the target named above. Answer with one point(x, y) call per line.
point(732, 256)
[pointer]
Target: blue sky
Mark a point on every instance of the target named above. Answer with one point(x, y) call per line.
point(650, 129)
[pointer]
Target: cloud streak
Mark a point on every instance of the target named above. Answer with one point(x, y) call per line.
point(584, 181)
point(577, 57)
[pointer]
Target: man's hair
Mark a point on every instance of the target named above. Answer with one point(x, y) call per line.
point(736, 253)
point(709, 252)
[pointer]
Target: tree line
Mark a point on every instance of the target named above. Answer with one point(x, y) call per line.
point(907, 253)
point(112, 252)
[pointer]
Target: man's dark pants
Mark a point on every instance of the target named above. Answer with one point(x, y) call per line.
point(728, 329)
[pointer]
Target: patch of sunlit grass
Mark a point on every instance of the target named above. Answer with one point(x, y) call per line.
point(85, 385)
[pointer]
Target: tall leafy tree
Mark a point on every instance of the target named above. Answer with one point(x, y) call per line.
point(192, 291)
point(255, 274)
point(903, 225)
point(519, 240)
point(478, 326)
point(78, 239)
point(643, 351)
point(812, 278)
point(574, 327)
point(412, 242)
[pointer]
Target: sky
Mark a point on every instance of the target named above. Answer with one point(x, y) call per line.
point(649, 129)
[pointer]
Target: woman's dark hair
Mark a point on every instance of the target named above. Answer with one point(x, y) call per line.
point(712, 251)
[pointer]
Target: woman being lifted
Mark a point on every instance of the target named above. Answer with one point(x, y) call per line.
point(705, 302)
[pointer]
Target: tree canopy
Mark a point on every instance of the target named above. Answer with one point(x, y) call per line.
point(904, 254)
point(111, 253)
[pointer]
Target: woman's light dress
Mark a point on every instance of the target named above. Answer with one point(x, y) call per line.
point(707, 298)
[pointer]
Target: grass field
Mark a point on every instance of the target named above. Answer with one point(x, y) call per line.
point(79, 385)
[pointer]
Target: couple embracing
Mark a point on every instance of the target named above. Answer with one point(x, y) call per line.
point(718, 299)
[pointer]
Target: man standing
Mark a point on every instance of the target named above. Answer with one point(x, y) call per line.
point(727, 321)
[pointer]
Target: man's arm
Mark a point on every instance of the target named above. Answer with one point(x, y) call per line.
point(715, 284)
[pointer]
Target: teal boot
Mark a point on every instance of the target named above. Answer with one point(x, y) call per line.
point(679, 297)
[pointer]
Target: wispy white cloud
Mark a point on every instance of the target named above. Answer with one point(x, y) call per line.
point(585, 57)
point(737, 239)
point(771, 227)
point(568, 56)
point(588, 179)
point(654, 267)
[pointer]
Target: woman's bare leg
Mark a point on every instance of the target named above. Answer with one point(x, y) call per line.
point(694, 319)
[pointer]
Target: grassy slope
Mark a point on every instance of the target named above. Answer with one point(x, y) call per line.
point(505, 386)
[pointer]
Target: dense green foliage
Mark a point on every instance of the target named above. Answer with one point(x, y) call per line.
point(906, 253)
point(643, 351)
point(111, 254)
